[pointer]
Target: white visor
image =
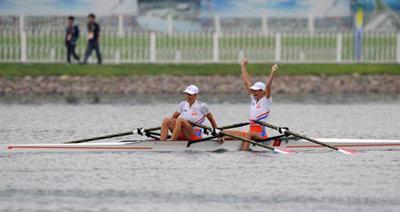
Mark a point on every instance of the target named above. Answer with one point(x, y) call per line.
point(258, 86)
point(191, 89)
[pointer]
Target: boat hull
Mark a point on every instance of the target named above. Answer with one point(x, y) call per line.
point(231, 145)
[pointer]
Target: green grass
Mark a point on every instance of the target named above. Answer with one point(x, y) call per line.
point(10, 70)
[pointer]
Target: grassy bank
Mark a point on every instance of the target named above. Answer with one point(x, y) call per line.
point(20, 70)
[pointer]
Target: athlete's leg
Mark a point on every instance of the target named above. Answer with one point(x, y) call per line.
point(182, 126)
point(256, 136)
point(246, 135)
point(167, 124)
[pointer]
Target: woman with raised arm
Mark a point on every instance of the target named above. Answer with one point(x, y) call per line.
point(260, 97)
point(191, 110)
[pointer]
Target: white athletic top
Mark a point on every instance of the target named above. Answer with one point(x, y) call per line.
point(259, 110)
point(196, 113)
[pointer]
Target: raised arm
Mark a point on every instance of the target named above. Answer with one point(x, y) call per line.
point(269, 80)
point(210, 118)
point(245, 76)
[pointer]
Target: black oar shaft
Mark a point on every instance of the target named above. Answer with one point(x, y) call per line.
point(234, 136)
point(152, 129)
point(201, 140)
point(112, 135)
point(100, 137)
point(153, 135)
point(247, 140)
point(313, 140)
point(234, 126)
point(221, 128)
point(296, 134)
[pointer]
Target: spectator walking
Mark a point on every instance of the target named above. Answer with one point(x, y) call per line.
point(93, 39)
point(71, 37)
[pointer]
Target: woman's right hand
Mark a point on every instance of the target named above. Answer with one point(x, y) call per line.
point(244, 62)
point(275, 68)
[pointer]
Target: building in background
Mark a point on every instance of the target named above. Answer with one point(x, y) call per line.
point(66, 7)
point(194, 15)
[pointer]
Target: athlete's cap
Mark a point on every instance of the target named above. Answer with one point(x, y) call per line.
point(258, 86)
point(191, 89)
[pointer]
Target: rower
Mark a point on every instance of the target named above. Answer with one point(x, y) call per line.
point(191, 110)
point(260, 96)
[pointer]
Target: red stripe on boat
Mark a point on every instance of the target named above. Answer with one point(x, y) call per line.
point(87, 147)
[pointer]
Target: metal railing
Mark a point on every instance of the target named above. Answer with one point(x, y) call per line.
point(47, 46)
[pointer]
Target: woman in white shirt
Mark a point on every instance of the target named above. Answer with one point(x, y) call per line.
point(260, 105)
point(191, 110)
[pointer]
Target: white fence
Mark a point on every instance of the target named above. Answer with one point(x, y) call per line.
point(35, 45)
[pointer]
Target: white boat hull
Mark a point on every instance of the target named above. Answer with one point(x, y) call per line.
point(230, 145)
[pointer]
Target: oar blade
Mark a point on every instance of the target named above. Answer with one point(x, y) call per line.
point(281, 151)
point(347, 152)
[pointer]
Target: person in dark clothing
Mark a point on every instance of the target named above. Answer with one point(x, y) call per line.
point(71, 37)
point(93, 39)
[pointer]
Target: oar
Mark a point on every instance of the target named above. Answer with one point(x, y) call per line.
point(234, 126)
point(220, 132)
point(288, 132)
point(201, 140)
point(139, 131)
point(215, 136)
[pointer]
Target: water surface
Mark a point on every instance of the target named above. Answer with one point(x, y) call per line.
point(194, 181)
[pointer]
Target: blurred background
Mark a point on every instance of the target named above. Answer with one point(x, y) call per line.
point(206, 31)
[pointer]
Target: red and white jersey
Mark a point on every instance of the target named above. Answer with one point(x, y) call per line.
point(196, 113)
point(259, 110)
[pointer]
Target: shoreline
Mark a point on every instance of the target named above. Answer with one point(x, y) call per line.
point(242, 98)
point(168, 84)
point(97, 89)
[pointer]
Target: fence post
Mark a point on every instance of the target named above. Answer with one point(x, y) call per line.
point(240, 55)
point(217, 24)
point(120, 26)
point(23, 39)
point(170, 25)
point(264, 23)
point(278, 47)
point(52, 55)
point(398, 48)
point(152, 47)
point(339, 47)
point(311, 23)
point(117, 56)
point(178, 56)
point(216, 47)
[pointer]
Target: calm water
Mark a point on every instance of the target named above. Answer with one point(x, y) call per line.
point(191, 181)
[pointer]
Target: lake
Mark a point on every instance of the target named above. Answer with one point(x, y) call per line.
point(198, 181)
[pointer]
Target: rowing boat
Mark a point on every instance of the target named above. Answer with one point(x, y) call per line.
point(210, 145)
